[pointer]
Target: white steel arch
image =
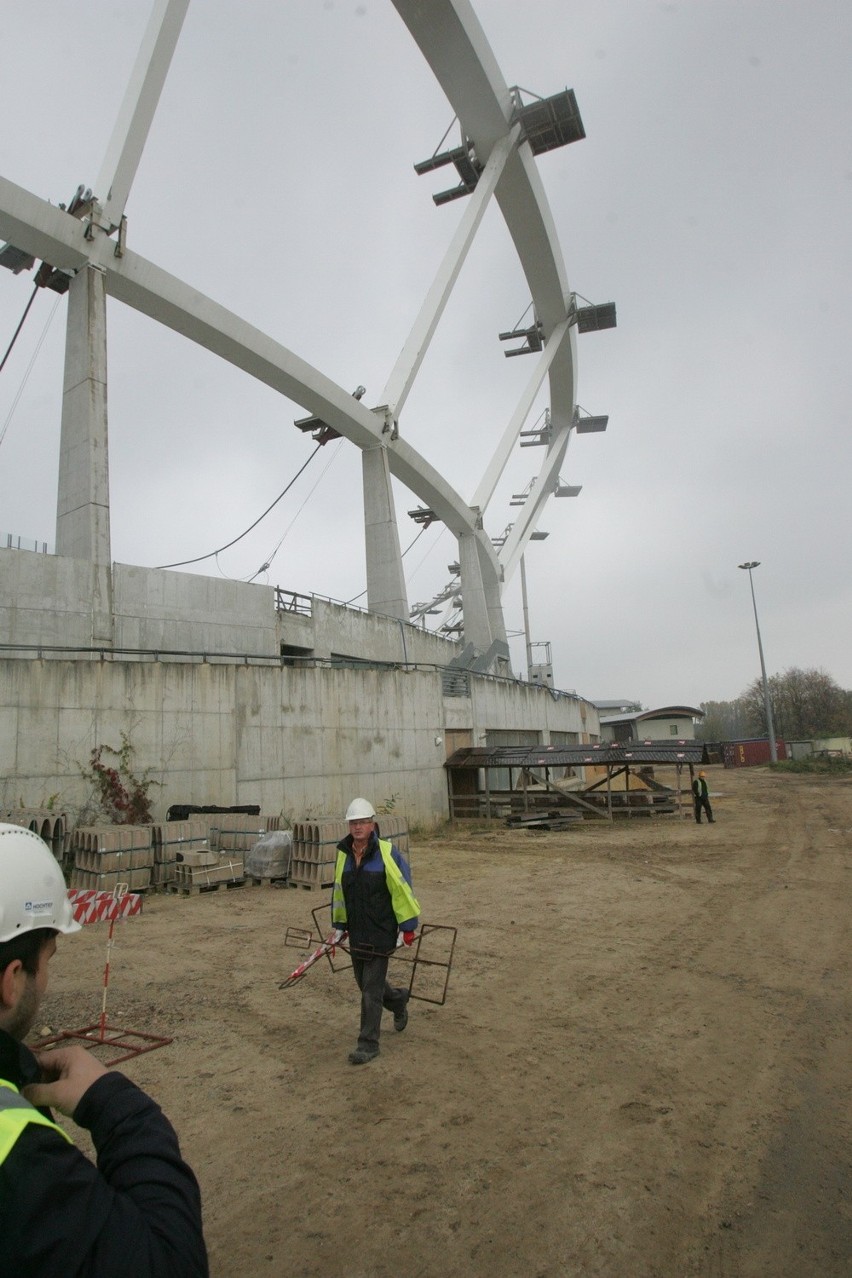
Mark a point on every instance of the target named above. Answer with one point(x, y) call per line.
point(92, 250)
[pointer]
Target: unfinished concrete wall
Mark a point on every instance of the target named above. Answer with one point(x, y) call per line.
point(301, 741)
point(350, 632)
point(178, 611)
point(235, 723)
point(48, 600)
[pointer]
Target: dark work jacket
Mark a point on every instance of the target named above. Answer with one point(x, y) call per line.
point(370, 919)
point(136, 1215)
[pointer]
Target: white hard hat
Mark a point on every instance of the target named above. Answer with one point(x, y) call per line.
point(32, 890)
point(360, 810)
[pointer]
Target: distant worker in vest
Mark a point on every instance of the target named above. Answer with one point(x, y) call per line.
point(138, 1213)
point(373, 903)
point(701, 798)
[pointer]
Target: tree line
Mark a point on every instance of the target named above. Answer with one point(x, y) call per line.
point(805, 704)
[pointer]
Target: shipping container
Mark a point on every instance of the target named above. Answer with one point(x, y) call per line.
point(746, 754)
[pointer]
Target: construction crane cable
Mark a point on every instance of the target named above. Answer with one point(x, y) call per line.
point(18, 329)
point(308, 496)
point(212, 554)
point(402, 556)
point(26, 376)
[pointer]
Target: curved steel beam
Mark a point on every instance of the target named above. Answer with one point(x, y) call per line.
point(49, 233)
point(453, 43)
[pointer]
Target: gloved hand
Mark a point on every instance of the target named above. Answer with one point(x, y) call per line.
point(338, 935)
point(408, 937)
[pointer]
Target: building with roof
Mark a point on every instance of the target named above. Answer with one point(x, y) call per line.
point(676, 723)
point(617, 705)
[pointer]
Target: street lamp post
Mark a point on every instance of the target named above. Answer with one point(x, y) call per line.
point(537, 535)
point(526, 620)
point(773, 748)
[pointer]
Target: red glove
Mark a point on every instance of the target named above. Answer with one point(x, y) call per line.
point(408, 937)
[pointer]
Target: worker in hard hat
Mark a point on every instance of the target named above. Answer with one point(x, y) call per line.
point(373, 901)
point(139, 1210)
point(701, 798)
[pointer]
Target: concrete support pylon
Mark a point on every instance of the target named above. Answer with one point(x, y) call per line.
point(82, 508)
point(493, 586)
point(385, 581)
point(483, 611)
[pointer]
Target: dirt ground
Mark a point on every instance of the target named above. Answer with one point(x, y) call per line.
point(642, 1066)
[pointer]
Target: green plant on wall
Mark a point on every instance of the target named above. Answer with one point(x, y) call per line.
point(121, 796)
point(388, 806)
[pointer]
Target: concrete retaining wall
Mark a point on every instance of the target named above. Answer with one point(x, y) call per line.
point(301, 741)
point(191, 669)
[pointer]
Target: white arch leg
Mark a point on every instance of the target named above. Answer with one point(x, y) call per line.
point(411, 356)
point(483, 612)
point(137, 110)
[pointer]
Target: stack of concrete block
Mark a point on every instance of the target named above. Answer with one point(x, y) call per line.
point(105, 856)
point(199, 870)
point(51, 826)
point(237, 832)
point(315, 846)
point(395, 829)
point(314, 851)
point(173, 841)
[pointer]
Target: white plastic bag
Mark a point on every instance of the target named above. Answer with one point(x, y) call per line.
point(270, 856)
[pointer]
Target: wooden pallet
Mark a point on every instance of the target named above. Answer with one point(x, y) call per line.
point(195, 889)
point(267, 880)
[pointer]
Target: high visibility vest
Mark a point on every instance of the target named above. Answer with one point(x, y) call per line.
point(15, 1115)
point(404, 902)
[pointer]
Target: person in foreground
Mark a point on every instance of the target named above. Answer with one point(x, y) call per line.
point(138, 1213)
point(373, 902)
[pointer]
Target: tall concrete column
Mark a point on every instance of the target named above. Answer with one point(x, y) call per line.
point(385, 581)
point(82, 508)
point(492, 585)
point(477, 620)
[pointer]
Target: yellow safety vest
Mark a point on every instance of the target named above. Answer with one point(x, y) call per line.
point(404, 902)
point(15, 1114)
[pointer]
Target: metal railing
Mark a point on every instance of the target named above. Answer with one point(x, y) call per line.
point(12, 541)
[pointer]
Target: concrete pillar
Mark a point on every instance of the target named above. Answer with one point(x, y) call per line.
point(492, 585)
point(477, 621)
point(385, 581)
point(82, 508)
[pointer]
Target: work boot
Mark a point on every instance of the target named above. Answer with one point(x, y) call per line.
point(360, 1057)
point(400, 1020)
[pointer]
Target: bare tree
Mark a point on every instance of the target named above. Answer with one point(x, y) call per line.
point(723, 720)
point(805, 704)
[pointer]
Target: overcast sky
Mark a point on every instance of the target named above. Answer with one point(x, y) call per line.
point(711, 200)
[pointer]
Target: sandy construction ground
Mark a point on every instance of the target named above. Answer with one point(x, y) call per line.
point(642, 1066)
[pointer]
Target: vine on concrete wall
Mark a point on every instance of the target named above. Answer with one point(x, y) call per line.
point(121, 796)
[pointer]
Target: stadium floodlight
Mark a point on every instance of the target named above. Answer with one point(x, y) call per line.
point(423, 515)
point(592, 317)
point(770, 726)
point(587, 424)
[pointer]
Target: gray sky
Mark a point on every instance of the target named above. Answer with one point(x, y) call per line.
point(710, 200)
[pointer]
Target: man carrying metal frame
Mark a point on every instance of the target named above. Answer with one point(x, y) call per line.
point(373, 903)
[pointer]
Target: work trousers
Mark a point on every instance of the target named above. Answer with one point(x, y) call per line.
point(703, 802)
point(376, 994)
